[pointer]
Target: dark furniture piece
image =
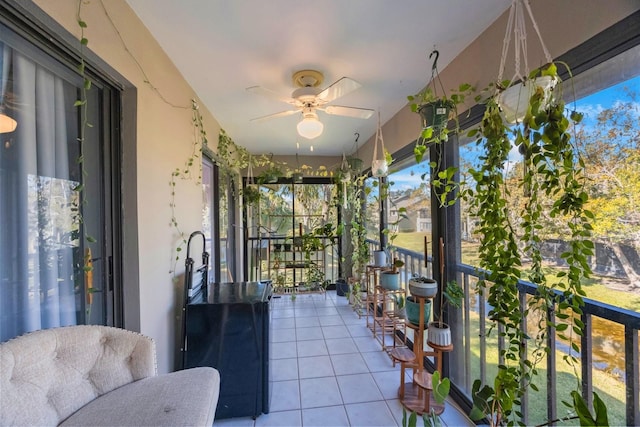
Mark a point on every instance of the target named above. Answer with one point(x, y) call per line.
point(227, 328)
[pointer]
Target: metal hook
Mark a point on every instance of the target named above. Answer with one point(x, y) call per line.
point(435, 61)
point(357, 136)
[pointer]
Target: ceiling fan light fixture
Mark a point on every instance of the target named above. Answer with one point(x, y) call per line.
point(7, 124)
point(310, 127)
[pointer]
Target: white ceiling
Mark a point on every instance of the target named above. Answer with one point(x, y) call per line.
point(222, 47)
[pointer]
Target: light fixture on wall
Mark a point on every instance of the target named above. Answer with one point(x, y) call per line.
point(7, 124)
point(310, 127)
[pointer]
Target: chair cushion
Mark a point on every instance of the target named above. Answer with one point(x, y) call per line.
point(182, 398)
point(48, 374)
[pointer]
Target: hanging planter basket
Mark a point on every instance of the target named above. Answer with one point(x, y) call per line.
point(268, 177)
point(296, 177)
point(379, 165)
point(514, 100)
point(435, 114)
point(379, 168)
point(251, 196)
point(355, 164)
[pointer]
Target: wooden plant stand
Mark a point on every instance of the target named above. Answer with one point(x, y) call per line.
point(417, 395)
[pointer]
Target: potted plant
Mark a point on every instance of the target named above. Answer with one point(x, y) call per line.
point(400, 306)
point(412, 307)
point(270, 175)
point(422, 286)
point(435, 110)
point(379, 258)
point(251, 195)
point(514, 100)
point(553, 184)
point(390, 279)
point(441, 388)
point(439, 332)
point(286, 246)
point(313, 277)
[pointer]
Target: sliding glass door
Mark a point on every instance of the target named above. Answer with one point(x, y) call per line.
point(56, 243)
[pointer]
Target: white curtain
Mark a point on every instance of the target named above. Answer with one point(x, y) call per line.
point(38, 204)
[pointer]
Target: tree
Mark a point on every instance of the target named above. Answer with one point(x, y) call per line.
point(611, 149)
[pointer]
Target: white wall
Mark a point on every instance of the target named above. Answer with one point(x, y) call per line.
point(164, 142)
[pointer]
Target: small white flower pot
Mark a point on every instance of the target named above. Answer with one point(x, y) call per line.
point(440, 336)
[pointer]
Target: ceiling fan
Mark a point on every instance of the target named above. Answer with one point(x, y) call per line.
point(309, 97)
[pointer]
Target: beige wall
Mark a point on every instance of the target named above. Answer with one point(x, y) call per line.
point(563, 24)
point(164, 138)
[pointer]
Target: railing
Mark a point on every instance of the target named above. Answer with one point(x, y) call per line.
point(282, 260)
point(478, 344)
point(414, 264)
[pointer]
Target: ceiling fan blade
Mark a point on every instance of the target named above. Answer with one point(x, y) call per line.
point(273, 116)
point(338, 89)
point(259, 90)
point(338, 110)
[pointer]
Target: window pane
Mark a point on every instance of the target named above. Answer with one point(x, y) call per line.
point(372, 208)
point(608, 139)
point(208, 210)
point(226, 247)
point(50, 274)
point(409, 215)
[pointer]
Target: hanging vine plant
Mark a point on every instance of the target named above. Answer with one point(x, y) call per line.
point(82, 105)
point(83, 108)
point(552, 185)
point(552, 172)
point(187, 172)
point(436, 110)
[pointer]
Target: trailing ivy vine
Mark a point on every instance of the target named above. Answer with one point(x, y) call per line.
point(184, 173)
point(553, 182)
point(82, 106)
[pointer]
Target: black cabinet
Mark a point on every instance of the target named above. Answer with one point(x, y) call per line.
point(228, 328)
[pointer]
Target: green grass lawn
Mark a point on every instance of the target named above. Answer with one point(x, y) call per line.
point(610, 389)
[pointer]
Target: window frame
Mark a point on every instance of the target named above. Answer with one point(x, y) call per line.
point(36, 28)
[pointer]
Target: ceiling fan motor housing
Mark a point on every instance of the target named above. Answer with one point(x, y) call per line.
point(306, 95)
point(307, 78)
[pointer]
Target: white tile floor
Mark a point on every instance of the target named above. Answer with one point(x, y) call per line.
point(327, 369)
